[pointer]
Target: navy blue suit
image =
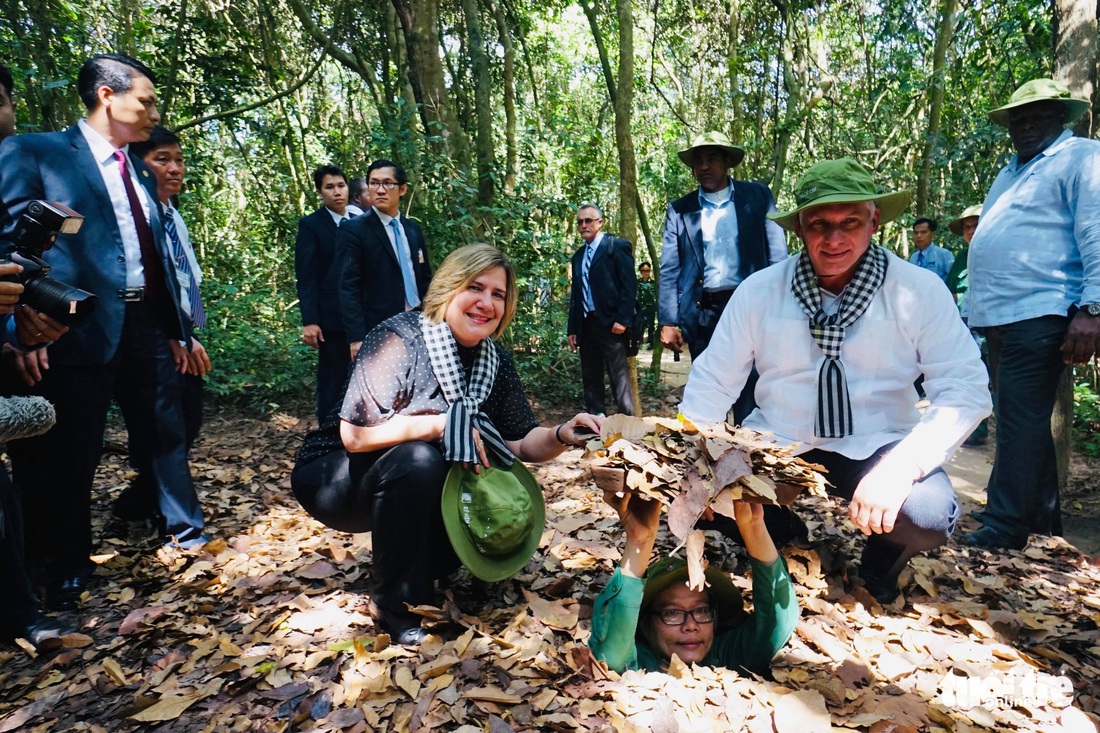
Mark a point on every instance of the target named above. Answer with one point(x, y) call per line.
point(614, 289)
point(317, 269)
point(122, 353)
point(371, 286)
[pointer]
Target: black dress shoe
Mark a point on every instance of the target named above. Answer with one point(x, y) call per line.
point(44, 631)
point(135, 505)
point(988, 538)
point(63, 595)
point(411, 637)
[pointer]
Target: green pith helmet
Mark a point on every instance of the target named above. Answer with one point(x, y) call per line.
point(712, 140)
point(956, 225)
point(1040, 90)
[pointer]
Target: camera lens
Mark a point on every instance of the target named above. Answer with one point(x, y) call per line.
point(59, 301)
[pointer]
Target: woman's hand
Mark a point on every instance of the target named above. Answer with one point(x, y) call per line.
point(640, 518)
point(580, 429)
point(482, 454)
point(750, 521)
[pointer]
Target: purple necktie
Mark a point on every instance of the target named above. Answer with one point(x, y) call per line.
point(150, 262)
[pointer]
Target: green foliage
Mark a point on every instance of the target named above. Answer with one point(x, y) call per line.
point(1086, 419)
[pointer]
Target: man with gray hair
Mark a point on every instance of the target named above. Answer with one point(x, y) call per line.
point(837, 345)
point(601, 309)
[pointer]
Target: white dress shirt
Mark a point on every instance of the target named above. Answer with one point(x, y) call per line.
point(910, 328)
point(104, 154)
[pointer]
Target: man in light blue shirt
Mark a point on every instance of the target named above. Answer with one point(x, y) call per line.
point(1034, 269)
point(930, 255)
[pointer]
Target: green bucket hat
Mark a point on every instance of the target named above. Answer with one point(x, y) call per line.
point(840, 181)
point(494, 519)
point(727, 598)
point(712, 140)
point(956, 225)
point(1040, 90)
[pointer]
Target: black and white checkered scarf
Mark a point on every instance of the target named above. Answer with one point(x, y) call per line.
point(465, 402)
point(834, 406)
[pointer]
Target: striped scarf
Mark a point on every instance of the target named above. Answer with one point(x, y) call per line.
point(464, 412)
point(834, 406)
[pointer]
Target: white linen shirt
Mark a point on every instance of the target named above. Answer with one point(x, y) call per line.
point(911, 327)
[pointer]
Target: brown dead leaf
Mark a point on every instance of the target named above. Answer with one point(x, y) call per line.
point(802, 712)
point(169, 707)
point(555, 614)
point(140, 616)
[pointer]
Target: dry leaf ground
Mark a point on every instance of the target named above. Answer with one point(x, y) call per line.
point(268, 630)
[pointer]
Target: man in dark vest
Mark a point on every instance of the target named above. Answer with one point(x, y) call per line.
point(714, 238)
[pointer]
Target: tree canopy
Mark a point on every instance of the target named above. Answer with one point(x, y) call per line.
point(504, 114)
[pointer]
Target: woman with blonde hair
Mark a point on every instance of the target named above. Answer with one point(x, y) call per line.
point(428, 390)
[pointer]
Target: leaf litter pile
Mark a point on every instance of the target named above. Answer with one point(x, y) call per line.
point(268, 629)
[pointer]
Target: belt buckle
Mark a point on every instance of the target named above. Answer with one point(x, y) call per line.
point(132, 295)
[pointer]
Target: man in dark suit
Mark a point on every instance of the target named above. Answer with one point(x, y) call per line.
point(121, 255)
point(601, 308)
point(318, 271)
point(714, 238)
point(384, 260)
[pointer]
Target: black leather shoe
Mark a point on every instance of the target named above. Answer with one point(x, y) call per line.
point(135, 505)
point(44, 631)
point(411, 637)
point(987, 538)
point(63, 595)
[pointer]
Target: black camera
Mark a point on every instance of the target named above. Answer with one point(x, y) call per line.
point(37, 231)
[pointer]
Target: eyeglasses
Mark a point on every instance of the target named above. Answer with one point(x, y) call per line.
point(588, 221)
point(384, 185)
point(676, 616)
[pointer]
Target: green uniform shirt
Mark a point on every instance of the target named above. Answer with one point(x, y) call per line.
point(749, 646)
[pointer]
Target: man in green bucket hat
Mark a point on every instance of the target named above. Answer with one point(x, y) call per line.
point(838, 334)
point(1034, 269)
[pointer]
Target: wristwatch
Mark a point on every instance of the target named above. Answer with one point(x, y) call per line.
point(1093, 309)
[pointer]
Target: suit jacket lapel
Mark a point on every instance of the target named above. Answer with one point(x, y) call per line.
point(89, 166)
point(375, 225)
point(693, 225)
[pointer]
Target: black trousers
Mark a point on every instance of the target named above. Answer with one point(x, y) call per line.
point(333, 363)
point(603, 351)
point(20, 607)
point(925, 521)
point(141, 495)
point(1023, 485)
point(55, 471)
point(711, 307)
point(395, 494)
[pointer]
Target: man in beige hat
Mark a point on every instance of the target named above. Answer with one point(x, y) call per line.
point(715, 237)
point(838, 343)
point(1035, 292)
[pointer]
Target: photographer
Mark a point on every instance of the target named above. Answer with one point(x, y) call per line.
point(19, 615)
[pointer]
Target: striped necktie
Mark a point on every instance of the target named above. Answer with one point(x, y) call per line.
point(590, 252)
point(183, 264)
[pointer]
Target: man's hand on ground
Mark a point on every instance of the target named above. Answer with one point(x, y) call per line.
point(672, 338)
point(1082, 339)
